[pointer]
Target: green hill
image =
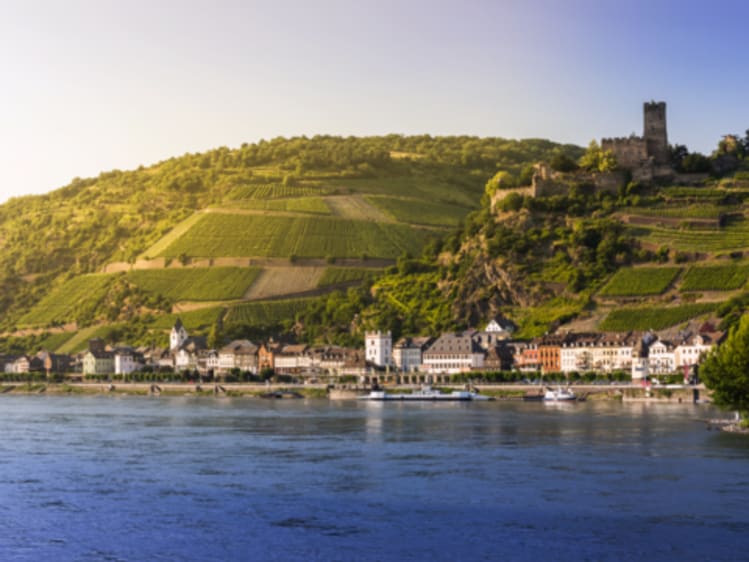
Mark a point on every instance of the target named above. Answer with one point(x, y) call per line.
point(224, 227)
point(325, 237)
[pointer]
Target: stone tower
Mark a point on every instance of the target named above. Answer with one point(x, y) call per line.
point(654, 131)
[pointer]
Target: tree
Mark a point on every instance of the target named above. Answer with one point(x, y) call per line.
point(726, 370)
point(562, 163)
point(596, 159)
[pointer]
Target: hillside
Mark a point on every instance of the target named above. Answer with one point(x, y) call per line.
point(213, 236)
point(320, 239)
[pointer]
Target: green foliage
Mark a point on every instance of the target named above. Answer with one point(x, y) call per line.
point(338, 275)
point(596, 159)
point(409, 304)
point(653, 318)
point(726, 370)
point(196, 284)
point(715, 278)
point(562, 163)
point(416, 211)
point(640, 281)
point(696, 163)
point(501, 180)
point(241, 235)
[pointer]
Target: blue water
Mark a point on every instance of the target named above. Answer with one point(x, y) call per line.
point(108, 478)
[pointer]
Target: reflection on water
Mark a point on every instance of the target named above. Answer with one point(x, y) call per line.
point(92, 478)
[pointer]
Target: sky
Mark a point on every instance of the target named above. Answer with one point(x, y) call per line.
point(96, 85)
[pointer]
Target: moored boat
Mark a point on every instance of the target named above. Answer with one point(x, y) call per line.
point(426, 393)
point(559, 395)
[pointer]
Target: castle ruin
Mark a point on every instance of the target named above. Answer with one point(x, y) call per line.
point(648, 156)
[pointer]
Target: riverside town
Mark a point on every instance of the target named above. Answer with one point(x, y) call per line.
point(490, 354)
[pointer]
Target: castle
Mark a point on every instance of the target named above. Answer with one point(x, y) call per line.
point(643, 159)
point(646, 157)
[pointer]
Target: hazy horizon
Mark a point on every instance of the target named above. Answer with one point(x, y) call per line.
point(94, 86)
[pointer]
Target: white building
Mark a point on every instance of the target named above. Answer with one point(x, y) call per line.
point(178, 336)
point(661, 358)
point(126, 361)
point(379, 348)
point(692, 349)
point(408, 352)
point(500, 328)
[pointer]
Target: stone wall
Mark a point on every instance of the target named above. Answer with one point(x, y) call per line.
point(630, 152)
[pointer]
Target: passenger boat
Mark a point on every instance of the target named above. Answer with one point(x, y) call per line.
point(426, 393)
point(559, 395)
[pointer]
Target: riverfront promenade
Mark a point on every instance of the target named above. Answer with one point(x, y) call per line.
point(624, 392)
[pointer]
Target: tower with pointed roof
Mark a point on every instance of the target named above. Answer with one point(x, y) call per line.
point(178, 336)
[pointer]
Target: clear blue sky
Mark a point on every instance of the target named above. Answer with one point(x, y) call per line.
point(92, 85)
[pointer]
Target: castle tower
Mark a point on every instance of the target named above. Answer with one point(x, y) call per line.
point(178, 336)
point(379, 348)
point(654, 131)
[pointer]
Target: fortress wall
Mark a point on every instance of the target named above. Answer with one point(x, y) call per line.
point(630, 152)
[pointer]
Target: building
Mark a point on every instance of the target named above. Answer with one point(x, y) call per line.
point(408, 353)
point(266, 355)
point(293, 359)
point(178, 336)
point(126, 361)
point(647, 156)
point(549, 353)
point(454, 353)
point(378, 347)
point(98, 362)
point(239, 354)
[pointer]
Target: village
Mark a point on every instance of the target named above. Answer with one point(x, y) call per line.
point(410, 360)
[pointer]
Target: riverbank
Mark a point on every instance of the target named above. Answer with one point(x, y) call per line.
point(502, 392)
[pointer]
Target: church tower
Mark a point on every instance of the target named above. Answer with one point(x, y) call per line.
point(654, 131)
point(177, 336)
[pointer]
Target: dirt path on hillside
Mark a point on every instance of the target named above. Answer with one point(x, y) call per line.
point(275, 281)
point(161, 263)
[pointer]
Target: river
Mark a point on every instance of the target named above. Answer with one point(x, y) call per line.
point(126, 478)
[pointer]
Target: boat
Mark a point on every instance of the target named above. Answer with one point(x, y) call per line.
point(559, 395)
point(426, 394)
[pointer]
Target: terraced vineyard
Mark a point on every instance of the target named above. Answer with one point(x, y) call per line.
point(277, 236)
point(265, 314)
point(73, 300)
point(416, 211)
point(274, 191)
point(640, 281)
point(688, 211)
point(196, 284)
point(337, 275)
point(426, 188)
point(734, 236)
point(715, 278)
point(311, 205)
point(653, 318)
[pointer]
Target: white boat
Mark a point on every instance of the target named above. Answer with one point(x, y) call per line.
point(559, 395)
point(426, 393)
